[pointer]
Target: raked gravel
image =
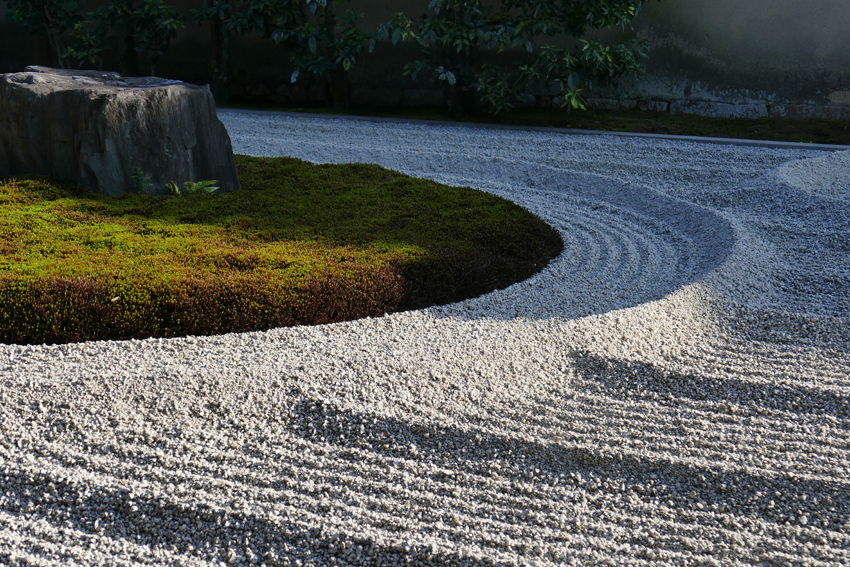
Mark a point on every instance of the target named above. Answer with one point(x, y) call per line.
point(671, 390)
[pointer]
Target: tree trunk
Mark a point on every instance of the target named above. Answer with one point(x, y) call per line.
point(221, 60)
point(54, 44)
point(338, 88)
point(450, 95)
point(462, 97)
point(336, 81)
point(155, 58)
point(46, 53)
point(131, 60)
point(54, 49)
point(469, 92)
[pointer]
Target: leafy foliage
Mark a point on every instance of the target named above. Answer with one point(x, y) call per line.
point(143, 27)
point(228, 17)
point(323, 43)
point(155, 24)
point(451, 37)
point(239, 16)
point(454, 32)
point(141, 183)
point(192, 187)
point(50, 19)
point(89, 42)
point(454, 36)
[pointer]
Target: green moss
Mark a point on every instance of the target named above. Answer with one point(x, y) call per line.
point(300, 244)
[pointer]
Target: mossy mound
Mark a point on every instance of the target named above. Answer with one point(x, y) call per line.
point(300, 244)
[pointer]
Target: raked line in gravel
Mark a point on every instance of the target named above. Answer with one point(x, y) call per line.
point(671, 390)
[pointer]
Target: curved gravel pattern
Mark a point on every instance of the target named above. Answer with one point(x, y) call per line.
point(671, 390)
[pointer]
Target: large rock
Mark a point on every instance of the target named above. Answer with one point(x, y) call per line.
point(97, 129)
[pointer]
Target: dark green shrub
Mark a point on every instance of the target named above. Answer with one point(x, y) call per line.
point(454, 33)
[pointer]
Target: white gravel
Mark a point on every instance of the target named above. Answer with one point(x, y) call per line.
point(671, 390)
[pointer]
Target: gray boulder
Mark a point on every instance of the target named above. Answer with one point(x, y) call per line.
point(98, 129)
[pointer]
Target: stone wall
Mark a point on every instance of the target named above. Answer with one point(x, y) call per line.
point(782, 58)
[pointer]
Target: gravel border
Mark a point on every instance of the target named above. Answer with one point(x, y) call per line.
point(671, 390)
point(546, 129)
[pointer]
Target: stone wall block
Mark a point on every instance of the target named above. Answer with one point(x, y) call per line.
point(96, 128)
point(653, 105)
point(719, 109)
point(603, 104)
point(810, 112)
point(839, 97)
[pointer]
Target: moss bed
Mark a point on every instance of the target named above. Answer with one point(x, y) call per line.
point(301, 244)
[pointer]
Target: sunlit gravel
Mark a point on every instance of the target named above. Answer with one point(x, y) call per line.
point(671, 390)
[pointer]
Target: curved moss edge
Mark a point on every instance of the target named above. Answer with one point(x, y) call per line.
point(301, 244)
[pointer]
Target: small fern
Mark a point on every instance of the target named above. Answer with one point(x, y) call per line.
point(192, 187)
point(141, 182)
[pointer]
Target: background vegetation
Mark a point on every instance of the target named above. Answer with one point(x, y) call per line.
point(322, 38)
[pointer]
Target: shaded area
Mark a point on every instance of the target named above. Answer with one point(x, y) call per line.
point(625, 245)
point(642, 381)
point(510, 474)
point(472, 450)
point(234, 535)
point(829, 335)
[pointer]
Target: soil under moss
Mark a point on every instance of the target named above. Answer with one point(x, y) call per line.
point(300, 244)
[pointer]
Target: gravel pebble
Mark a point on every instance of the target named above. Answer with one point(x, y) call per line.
point(671, 390)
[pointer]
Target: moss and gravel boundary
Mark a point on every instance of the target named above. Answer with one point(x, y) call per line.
point(301, 244)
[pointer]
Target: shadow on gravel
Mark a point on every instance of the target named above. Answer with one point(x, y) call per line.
point(468, 469)
point(828, 336)
point(641, 381)
point(614, 234)
point(208, 533)
point(474, 457)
